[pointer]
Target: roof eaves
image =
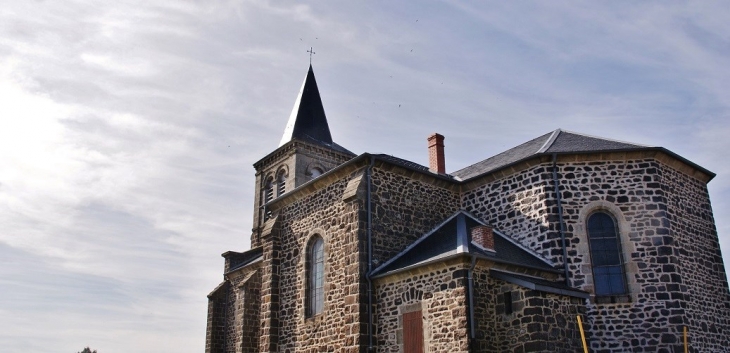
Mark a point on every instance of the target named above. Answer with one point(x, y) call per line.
point(523, 280)
point(538, 155)
point(440, 258)
point(514, 263)
point(354, 160)
point(245, 264)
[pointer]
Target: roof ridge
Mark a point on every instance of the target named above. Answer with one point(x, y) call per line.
point(549, 141)
point(607, 139)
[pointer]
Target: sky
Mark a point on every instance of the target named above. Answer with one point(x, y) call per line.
point(128, 129)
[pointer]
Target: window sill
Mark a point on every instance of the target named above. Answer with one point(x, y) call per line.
point(613, 299)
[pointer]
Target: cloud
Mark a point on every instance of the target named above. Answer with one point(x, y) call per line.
point(129, 129)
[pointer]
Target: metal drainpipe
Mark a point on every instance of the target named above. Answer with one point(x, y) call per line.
point(560, 218)
point(472, 329)
point(370, 257)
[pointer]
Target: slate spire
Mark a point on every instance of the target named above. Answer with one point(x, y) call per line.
point(307, 120)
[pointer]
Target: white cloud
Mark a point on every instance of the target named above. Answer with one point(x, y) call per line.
point(129, 129)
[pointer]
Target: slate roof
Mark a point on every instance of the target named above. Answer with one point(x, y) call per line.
point(307, 120)
point(558, 141)
point(402, 162)
point(238, 260)
point(451, 238)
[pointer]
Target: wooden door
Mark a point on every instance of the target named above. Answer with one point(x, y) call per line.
point(413, 332)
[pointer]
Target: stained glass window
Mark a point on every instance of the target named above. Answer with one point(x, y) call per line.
point(608, 270)
point(316, 277)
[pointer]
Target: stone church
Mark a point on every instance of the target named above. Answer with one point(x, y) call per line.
point(373, 253)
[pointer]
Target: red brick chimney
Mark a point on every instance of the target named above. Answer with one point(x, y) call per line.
point(436, 161)
point(483, 236)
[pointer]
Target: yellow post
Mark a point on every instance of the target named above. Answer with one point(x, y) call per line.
point(686, 346)
point(583, 335)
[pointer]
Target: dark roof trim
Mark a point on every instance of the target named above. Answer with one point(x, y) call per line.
point(453, 255)
point(441, 258)
point(544, 286)
point(364, 159)
point(625, 150)
point(519, 264)
point(245, 264)
point(394, 161)
point(236, 260)
point(292, 144)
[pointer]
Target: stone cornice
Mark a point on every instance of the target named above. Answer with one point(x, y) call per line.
point(660, 154)
point(292, 147)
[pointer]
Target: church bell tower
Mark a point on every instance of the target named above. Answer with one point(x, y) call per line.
point(305, 152)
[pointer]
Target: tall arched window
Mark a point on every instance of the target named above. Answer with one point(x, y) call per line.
point(609, 277)
point(268, 190)
point(267, 194)
point(315, 277)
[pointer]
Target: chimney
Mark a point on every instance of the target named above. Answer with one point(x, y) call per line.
point(483, 236)
point(437, 163)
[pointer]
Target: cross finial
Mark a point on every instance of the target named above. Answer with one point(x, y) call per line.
point(310, 51)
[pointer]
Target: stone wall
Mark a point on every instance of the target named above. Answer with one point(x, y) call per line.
point(245, 298)
point(520, 205)
point(539, 321)
point(340, 327)
point(404, 209)
point(655, 207)
point(215, 335)
point(703, 280)
point(233, 313)
point(652, 314)
point(439, 291)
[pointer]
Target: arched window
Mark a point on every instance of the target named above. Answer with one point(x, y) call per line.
point(315, 277)
point(268, 190)
point(267, 194)
point(609, 277)
point(281, 183)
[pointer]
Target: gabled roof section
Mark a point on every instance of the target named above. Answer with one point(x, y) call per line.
point(558, 141)
point(307, 120)
point(451, 238)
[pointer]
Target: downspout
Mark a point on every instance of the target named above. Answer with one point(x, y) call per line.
point(369, 172)
point(470, 283)
point(560, 219)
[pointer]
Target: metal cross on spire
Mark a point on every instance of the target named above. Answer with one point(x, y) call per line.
point(310, 51)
